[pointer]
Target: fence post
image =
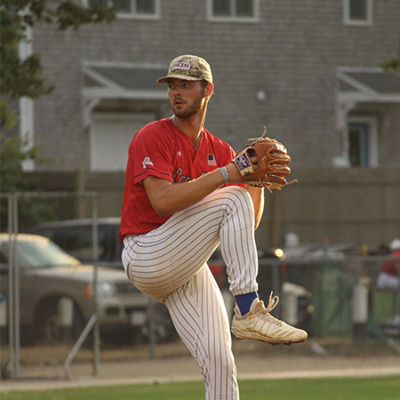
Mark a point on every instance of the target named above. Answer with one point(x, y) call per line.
point(9, 369)
point(95, 247)
point(276, 219)
point(80, 183)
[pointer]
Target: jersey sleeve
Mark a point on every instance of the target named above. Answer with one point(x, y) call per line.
point(151, 152)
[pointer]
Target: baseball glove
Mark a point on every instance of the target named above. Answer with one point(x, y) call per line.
point(271, 167)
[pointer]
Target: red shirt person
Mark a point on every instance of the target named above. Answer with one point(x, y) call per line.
point(388, 277)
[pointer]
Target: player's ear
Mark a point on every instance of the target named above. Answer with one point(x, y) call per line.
point(209, 90)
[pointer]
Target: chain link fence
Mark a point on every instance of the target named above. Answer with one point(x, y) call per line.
point(50, 298)
point(333, 297)
point(90, 302)
point(30, 268)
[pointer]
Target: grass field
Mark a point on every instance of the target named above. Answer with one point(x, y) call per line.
point(379, 388)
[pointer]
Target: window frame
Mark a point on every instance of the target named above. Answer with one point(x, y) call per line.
point(233, 18)
point(133, 15)
point(355, 22)
point(372, 151)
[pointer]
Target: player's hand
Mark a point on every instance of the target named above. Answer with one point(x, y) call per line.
point(233, 172)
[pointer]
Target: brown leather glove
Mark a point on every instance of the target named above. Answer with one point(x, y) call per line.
point(271, 168)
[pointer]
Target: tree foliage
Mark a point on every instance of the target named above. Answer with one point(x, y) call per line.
point(392, 64)
point(13, 179)
point(24, 77)
point(21, 77)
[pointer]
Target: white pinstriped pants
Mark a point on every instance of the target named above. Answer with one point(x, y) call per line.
point(169, 264)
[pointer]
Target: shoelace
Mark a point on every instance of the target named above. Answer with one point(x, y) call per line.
point(272, 303)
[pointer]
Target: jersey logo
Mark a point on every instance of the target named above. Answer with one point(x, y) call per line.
point(211, 160)
point(177, 176)
point(147, 161)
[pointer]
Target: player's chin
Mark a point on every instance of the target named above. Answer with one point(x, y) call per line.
point(183, 114)
point(179, 111)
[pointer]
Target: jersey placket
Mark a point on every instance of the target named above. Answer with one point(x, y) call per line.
point(197, 145)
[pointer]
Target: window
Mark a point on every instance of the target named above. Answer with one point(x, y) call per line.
point(357, 12)
point(229, 10)
point(362, 142)
point(99, 3)
point(110, 137)
point(142, 7)
point(131, 8)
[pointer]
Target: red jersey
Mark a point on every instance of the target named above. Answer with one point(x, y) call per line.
point(160, 149)
point(391, 265)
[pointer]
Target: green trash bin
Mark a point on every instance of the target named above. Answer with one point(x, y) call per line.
point(332, 301)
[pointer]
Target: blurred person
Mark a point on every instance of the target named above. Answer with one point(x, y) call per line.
point(388, 278)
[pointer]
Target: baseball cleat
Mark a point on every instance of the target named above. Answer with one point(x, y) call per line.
point(259, 324)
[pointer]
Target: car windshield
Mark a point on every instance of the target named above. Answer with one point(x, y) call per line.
point(41, 254)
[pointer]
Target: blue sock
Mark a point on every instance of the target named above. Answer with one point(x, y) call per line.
point(244, 301)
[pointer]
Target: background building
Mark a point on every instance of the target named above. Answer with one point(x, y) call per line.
point(311, 74)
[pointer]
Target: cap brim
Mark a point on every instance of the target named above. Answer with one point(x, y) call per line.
point(176, 76)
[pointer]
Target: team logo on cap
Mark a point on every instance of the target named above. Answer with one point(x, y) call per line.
point(181, 65)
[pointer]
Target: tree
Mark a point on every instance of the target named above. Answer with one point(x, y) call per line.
point(392, 64)
point(24, 77)
point(14, 180)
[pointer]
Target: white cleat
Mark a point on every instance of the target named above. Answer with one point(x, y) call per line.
point(258, 324)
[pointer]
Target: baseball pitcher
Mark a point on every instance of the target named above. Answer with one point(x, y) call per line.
point(187, 192)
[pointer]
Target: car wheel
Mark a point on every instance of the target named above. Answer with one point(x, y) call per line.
point(48, 327)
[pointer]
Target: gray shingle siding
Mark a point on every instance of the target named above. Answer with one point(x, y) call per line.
point(291, 53)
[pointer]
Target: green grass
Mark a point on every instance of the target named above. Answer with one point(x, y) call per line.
point(377, 388)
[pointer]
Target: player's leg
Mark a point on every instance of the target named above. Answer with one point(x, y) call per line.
point(166, 258)
point(200, 318)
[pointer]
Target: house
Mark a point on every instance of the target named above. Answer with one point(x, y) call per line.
point(309, 71)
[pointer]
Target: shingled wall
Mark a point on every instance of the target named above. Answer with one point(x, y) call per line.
point(291, 54)
point(358, 206)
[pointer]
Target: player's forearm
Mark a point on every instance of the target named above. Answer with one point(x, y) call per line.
point(167, 198)
point(180, 196)
point(257, 195)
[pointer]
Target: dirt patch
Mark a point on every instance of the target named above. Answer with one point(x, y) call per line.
point(338, 347)
point(43, 367)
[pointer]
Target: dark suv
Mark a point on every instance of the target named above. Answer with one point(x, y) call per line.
point(75, 237)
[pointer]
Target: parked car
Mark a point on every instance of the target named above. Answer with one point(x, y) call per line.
point(75, 237)
point(48, 274)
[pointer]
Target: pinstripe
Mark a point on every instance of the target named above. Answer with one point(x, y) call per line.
point(169, 264)
point(208, 338)
point(175, 251)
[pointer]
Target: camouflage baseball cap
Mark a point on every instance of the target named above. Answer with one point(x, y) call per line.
point(191, 68)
